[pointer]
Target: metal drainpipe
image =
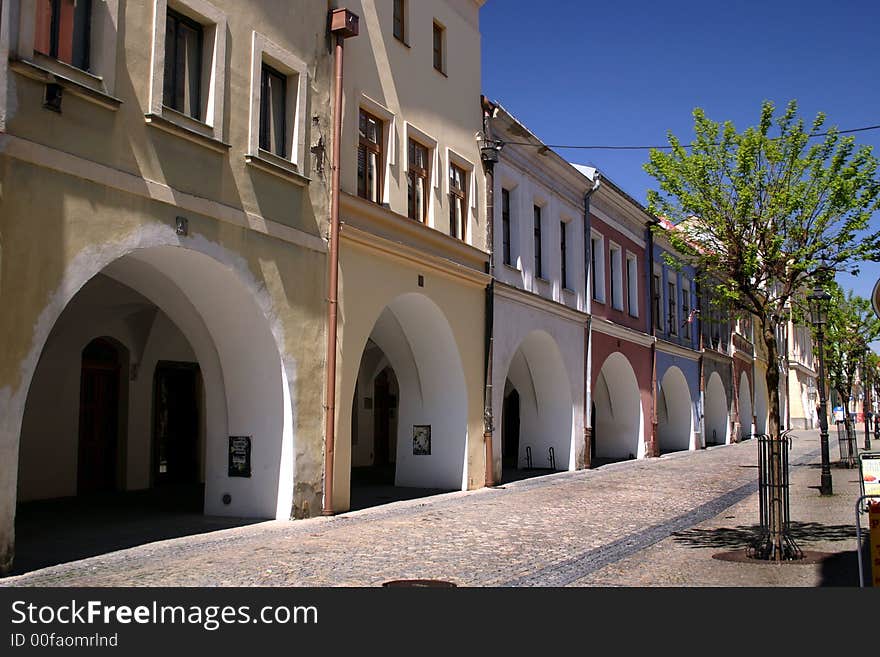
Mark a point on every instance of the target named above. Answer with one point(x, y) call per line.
point(588, 327)
point(343, 24)
point(653, 447)
point(489, 155)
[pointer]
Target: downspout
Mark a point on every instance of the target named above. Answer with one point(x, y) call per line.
point(698, 291)
point(343, 24)
point(588, 327)
point(653, 447)
point(489, 149)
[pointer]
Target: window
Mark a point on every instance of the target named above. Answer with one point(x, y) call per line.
point(656, 292)
point(279, 84)
point(505, 227)
point(457, 201)
point(686, 309)
point(632, 285)
point(671, 301)
point(63, 31)
point(616, 265)
point(597, 267)
point(399, 20)
point(562, 255)
point(182, 90)
point(539, 269)
point(369, 175)
point(188, 73)
point(440, 48)
point(273, 110)
point(417, 181)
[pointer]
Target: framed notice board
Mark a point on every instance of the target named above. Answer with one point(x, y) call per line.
point(239, 456)
point(869, 471)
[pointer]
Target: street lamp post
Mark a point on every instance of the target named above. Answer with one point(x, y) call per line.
point(866, 395)
point(818, 301)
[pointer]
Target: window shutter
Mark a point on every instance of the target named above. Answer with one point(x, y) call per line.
point(43, 27)
point(66, 10)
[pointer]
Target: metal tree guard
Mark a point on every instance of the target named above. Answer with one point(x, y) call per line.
point(774, 542)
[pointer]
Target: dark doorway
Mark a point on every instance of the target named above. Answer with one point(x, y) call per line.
point(176, 423)
point(510, 431)
point(592, 433)
point(98, 418)
point(383, 405)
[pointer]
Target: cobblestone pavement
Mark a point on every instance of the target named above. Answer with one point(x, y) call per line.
point(653, 522)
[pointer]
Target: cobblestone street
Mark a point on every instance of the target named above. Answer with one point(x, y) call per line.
point(653, 522)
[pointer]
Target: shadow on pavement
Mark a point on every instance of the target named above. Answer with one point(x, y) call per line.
point(743, 535)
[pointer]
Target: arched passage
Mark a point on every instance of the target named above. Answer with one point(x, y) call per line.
point(745, 406)
point(199, 374)
point(762, 404)
point(675, 418)
point(537, 408)
point(618, 420)
point(410, 404)
point(717, 425)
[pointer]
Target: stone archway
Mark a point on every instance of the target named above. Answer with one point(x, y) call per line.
point(675, 418)
point(618, 422)
point(715, 414)
point(745, 407)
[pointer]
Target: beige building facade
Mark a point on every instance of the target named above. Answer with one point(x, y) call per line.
point(163, 210)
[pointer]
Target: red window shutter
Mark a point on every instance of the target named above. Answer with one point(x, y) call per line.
point(43, 28)
point(65, 30)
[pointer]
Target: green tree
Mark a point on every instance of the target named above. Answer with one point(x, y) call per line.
point(762, 214)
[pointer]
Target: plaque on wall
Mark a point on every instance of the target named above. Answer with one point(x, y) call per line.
point(421, 440)
point(239, 456)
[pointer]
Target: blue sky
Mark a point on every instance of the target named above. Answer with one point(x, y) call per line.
point(626, 72)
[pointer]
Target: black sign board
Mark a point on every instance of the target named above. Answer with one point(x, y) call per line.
point(239, 456)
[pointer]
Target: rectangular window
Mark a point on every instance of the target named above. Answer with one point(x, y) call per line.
point(63, 30)
point(457, 201)
point(417, 181)
point(539, 269)
point(686, 309)
point(597, 268)
point(562, 255)
point(616, 265)
point(400, 20)
point(183, 65)
point(505, 226)
point(273, 109)
point(672, 319)
point(632, 285)
point(370, 161)
point(439, 48)
point(656, 292)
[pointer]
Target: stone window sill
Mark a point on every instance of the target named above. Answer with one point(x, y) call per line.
point(80, 83)
point(170, 122)
point(277, 166)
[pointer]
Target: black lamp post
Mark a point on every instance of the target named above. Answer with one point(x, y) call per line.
point(866, 395)
point(819, 299)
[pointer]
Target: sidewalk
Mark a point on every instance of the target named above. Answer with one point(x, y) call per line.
point(819, 524)
point(654, 522)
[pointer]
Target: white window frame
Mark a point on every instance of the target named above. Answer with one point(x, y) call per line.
point(597, 272)
point(214, 71)
point(615, 255)
point(103, 46)
point(468, 167)
point(389, 126)
point(632, 284)
point(265, 51)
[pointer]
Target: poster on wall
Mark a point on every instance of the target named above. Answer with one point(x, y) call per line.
point(421, 440)
point(869, 466)
point(239, 456)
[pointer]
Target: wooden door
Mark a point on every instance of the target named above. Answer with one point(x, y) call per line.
point(98, 418)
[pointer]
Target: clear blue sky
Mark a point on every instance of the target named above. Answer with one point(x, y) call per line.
point(626, 72)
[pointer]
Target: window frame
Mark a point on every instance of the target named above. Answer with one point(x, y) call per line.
point(266, 52)
point(563, 254)
point(672, 306)
point(506, 246)
point(438, 58)
point(597, 267)
point(657, 300)
point(54, 34)
point(460, 195)
point(686, 309)
point(213, 67)
point(538, 220)
point(377, 148)
point(632, 284)
point(615, 257)
point(401, 7)
point(180, 19)
point(414, 172)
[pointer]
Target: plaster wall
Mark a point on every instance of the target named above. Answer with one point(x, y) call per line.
point(627, 242)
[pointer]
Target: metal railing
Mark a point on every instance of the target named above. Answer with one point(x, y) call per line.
point(773, 499)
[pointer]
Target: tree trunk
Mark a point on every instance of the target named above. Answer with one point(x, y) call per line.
point(776, 511)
